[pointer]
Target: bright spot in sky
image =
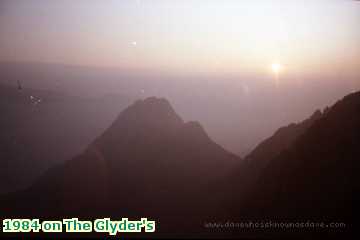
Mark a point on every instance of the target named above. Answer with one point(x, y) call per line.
point(276, 67)
point(134, 43)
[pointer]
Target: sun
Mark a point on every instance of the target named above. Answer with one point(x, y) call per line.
point(276, 67)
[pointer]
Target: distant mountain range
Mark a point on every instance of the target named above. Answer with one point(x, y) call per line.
point(150, 162)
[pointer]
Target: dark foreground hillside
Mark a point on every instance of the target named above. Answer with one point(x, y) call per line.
point(315, 178)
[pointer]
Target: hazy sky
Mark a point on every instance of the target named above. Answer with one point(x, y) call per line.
point(211, 58)
point(211, 37)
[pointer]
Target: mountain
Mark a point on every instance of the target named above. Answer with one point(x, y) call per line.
point(282, 139)
point(317, 176)
point(249, 170)
point(149, 162)
point(33, 118)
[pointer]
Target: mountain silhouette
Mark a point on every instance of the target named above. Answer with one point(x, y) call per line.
point(149, 162)
point(248, 171)
point(316, 177)
point(282, 139)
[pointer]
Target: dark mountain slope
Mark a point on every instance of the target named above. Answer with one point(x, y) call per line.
point(282, 139)
point(248, 171)
point(317, 177)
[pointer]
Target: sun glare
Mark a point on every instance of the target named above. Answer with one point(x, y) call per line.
point(276, 67)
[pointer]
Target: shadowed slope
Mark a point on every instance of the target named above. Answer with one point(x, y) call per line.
point(282, 139)
point(317, 177)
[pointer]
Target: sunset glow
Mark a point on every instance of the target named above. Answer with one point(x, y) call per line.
point(215, 37)
point(276, 68)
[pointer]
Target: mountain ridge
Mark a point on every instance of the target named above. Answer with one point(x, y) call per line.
point(284, 137)
point(315, 178)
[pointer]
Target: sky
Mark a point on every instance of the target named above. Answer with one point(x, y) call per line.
point(182, 36)
point(241, 68)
